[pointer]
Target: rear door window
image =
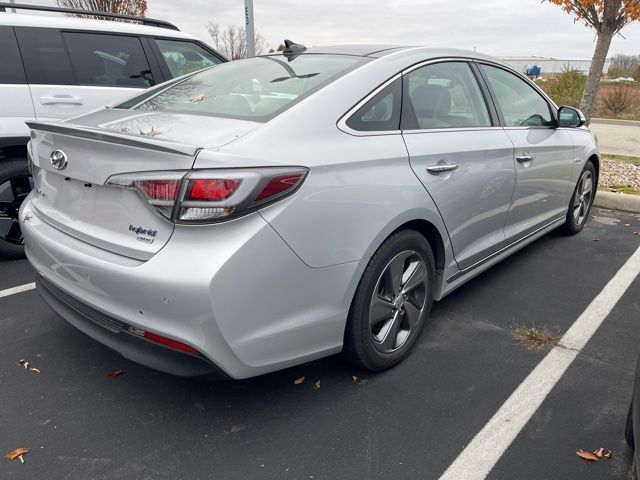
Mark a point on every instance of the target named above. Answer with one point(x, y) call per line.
point(443, 95)
point(108, 60)
point(185, 57)
point(46, 61)
point(11, 69)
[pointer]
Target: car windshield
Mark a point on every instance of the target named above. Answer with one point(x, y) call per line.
point(254, 89)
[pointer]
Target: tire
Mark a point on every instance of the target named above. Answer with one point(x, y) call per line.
point(580, 205)
point(15, 185)
point(628, 429)
point(392, 302)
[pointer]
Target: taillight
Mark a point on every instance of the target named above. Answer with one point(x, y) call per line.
point(205, 196)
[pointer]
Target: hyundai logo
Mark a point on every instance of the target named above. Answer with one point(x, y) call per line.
point(58, 159)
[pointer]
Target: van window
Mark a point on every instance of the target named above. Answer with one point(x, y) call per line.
point(108, 60)
point(45, 57)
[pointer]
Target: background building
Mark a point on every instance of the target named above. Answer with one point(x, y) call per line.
point(551, 67)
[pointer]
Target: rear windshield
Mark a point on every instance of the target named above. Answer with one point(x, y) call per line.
point(254, 89)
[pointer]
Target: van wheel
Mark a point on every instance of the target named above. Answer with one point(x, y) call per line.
point(581, 200)
point(392, 302)
point(15, 185)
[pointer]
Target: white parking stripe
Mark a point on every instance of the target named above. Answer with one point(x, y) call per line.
point(481, 455)
point(14, 290)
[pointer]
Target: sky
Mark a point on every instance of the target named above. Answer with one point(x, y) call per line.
point(495, 27)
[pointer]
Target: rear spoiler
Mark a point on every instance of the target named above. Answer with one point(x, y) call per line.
point(129, 140)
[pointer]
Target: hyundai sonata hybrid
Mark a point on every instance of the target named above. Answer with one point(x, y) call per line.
point(282, 208)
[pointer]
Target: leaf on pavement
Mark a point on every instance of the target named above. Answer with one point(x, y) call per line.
point(636, 233)
point(354, 378)
point(627, 224)
point(197, 98)
point(607, 455)
point(35, 370)
point(317, 385)
point(298, 381)
point(115, 373)
point(588, 456)
point(17, 453)
point(599, 452)
point(595, 239)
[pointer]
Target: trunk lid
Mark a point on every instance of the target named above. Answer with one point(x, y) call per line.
point(76, 200)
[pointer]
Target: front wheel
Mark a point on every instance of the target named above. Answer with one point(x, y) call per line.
point(15, 185)
point(581, 201)
point(392, 302)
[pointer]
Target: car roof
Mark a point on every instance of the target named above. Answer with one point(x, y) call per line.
point(76, 23)
point(359, 50)
point(378, 51)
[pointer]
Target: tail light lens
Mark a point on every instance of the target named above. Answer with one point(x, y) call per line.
point(206, 196)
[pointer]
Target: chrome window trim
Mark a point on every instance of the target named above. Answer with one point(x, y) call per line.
point(451, 129)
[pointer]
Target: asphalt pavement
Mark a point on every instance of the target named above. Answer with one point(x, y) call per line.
point(410, 422)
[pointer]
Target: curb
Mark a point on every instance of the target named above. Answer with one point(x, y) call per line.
point(624, 202)
point(615, 121)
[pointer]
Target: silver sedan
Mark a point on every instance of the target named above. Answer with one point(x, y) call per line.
point(279, 209)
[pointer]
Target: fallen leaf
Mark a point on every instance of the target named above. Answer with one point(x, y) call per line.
point(197, 98)
point(115, 373)
point(599, 452)
point(354, 378)
point(35, 370)
point(17, 453)
point(595, 239)
point(636, 233)
point(627, 224)
point(607, 455)
point(588, 456)
point(151, 133)
point(317, 385)
point(298, 381)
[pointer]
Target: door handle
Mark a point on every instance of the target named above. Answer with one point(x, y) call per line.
point(65, 99)
point(436, 169)
point(525, 158)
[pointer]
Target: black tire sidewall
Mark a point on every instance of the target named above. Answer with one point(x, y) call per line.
point(8, 169)
point(570, 224)
point(358, 340)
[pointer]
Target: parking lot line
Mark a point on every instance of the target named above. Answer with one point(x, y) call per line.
point(22, 288)
point(486, 448)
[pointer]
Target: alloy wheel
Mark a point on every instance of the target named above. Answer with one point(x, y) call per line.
point(582, 200)
point(398, 301)
point(12, 193)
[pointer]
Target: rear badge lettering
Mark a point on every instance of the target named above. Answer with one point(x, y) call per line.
point(146, 235)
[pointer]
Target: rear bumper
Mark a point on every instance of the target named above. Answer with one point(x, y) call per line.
point(235, 292)
point(114, 334)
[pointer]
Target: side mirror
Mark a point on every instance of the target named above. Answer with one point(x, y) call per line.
point(569, 117)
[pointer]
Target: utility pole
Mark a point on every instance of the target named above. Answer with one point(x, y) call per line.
point(249, 30)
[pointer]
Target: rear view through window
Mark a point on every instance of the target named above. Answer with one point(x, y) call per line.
point(254, 89)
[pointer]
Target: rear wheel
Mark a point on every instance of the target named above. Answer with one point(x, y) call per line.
point(15, 185)
point(392, 302)
point(581, 201)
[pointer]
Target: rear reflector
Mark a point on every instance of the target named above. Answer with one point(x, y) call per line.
point(167, 342)
point(164, 190)
point(279, 185)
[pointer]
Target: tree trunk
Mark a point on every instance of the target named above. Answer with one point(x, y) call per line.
point(595, 72)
